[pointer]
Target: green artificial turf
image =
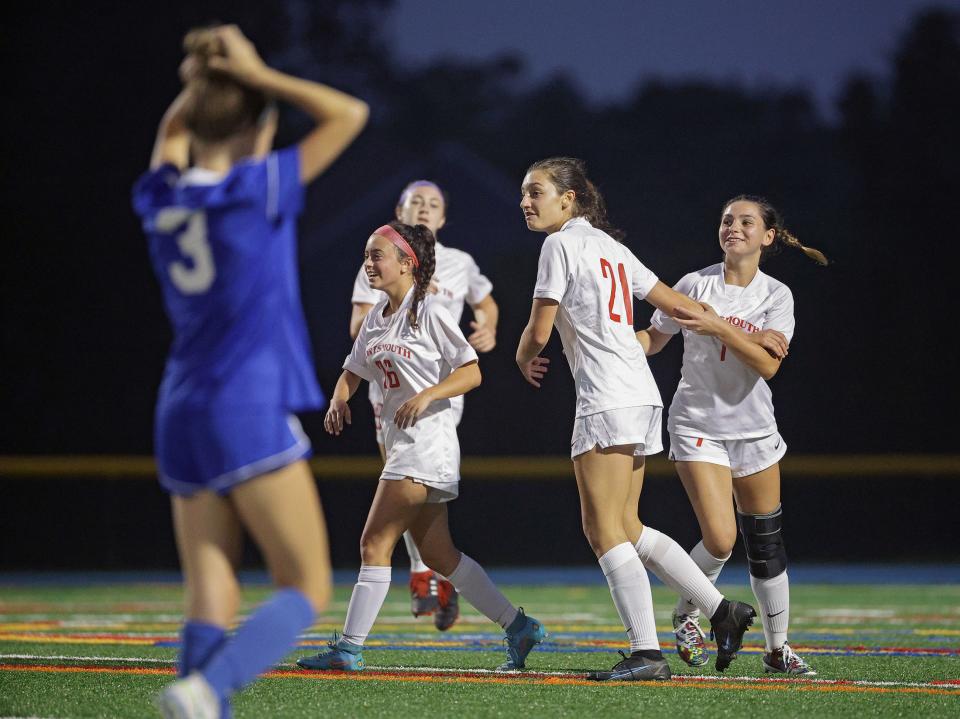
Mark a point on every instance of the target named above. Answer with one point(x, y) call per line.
point(903, 640)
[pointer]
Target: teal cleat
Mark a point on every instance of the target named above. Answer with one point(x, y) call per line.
point(341, 656)
point(521, 642)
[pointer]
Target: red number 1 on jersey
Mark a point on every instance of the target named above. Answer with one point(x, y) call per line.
point(390, 379)
point(607, 269)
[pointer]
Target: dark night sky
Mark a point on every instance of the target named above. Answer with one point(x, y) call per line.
point(610, 45)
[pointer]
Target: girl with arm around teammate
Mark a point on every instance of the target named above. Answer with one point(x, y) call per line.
point(222, 238)
point(723, 434)
point(411, 346)
point(585, 287)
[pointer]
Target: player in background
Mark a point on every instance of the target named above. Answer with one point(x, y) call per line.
point(457, 281)
point(723, 435)
point(411, 346)
point(586, 282)
point(220, 215)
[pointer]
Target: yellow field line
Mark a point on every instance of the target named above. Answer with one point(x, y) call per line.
point(853, 466)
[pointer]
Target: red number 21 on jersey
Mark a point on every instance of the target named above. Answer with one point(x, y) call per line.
point(607, 269)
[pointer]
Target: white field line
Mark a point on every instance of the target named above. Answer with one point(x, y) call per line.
point(494, 672)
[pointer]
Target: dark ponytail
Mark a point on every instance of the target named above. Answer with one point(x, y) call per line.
point(423, 243)
point(570, 173)
point(773, 220)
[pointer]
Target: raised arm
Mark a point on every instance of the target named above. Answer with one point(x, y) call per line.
point(486, 314)
point(339, 117)
point(173, 141)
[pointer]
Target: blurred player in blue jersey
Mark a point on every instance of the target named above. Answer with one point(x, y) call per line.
point(220, 211)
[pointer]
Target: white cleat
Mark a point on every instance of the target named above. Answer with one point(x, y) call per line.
point(189, 698)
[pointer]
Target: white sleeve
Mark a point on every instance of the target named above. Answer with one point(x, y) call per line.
point(363, 293)
point(642, 280)
point(356, 361)
point(478, 286)
point(553, 273)
point(446, 335)
point(663, 322)
point(780, 315)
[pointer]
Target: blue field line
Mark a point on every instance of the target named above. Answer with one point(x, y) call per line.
point(800, 573)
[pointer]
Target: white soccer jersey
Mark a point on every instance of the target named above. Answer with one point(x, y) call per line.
point(458, 280)
point(402, 362)
point(719, 397)
point(594, 278)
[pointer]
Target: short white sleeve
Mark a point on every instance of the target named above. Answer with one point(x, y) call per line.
point(446, 335)
point(553, 273)
point(363, 293)
point(641, 278)
point(780, 315)
point(663, 322)
point(356, 360)
point(478, 286)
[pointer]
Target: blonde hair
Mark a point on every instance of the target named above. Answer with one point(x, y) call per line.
point(218, 106)
point(773, 220)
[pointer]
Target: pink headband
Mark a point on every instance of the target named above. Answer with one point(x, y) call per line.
point(397, 239)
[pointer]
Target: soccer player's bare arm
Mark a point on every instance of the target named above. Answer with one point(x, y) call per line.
point(486, 315)
point(534, 338)
point(339, 411)
point(357, 315)
point(652, 340)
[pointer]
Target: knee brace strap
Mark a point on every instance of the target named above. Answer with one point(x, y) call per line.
point(764, 543)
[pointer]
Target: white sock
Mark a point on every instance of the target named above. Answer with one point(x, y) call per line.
point(477, 588)
point(674, 567)
point(710, 566)
point(630, 589)
point(773, 595)
point(365, 602)
point(416, 561)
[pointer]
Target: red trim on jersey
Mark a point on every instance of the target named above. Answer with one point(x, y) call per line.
point(699, 441)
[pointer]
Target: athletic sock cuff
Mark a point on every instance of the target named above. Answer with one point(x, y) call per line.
point(374, 574)
point(616, 557)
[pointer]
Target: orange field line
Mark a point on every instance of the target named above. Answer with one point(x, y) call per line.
point(506, 680)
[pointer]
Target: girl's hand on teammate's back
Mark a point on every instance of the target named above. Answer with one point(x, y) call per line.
point(338, 412)
point(408, 412)
point(534, 370)
point(241, 60)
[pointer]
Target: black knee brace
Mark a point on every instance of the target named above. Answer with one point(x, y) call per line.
point(764, 543)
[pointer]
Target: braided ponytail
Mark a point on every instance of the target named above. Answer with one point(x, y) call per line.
point(423, 244)
point(570, 173)
point(772, 220)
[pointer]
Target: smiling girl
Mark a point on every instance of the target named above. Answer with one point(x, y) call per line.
point(456, 282)
point(585, 287)
point(411, 346)
point(723, 435)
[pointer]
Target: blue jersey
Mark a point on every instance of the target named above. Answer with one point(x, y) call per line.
point(224, 251)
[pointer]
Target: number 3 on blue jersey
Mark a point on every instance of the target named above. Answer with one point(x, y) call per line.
point(190, 226)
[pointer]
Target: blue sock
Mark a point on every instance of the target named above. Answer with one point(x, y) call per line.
point(260, 642)
point(198, 642)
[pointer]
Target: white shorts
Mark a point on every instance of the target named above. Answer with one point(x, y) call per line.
point(742, 456)
point(456, 405)
point(439, 491)
point(639, 426)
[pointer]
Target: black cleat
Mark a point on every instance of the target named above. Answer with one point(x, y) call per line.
point(727, 626)
point(634, 668)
